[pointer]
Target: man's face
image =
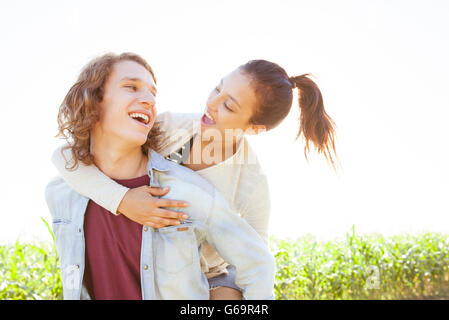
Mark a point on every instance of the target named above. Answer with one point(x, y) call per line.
point(128, 106)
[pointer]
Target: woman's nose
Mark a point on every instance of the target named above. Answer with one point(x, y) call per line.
point(213, 103)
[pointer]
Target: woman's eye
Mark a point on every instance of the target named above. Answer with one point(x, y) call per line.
point(216, 89)
point(227, 107)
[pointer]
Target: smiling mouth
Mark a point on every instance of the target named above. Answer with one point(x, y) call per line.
point(142, 118)
point(207, 119)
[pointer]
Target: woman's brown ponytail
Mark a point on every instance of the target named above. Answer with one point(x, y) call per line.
point(273, 89)
point(314, 123)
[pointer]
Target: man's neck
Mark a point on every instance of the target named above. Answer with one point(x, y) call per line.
point(119, 162)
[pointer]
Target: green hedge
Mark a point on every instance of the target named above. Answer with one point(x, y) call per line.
point(29, 271)
point(358, 267)
point(363, 267)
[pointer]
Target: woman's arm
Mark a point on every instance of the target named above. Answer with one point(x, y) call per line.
point(257, 211)
point(137, 204)
point(90, 182)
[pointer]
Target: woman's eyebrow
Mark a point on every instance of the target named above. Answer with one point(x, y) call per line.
point(231, 97)
point(139, 80)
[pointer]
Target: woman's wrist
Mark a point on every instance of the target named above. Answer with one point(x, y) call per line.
point(120, 203)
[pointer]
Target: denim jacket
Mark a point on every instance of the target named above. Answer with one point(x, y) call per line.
point(170, 257)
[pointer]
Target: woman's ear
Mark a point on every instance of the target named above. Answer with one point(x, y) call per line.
point(255, 129)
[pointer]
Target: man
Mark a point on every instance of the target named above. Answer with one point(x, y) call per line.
point(109, 115)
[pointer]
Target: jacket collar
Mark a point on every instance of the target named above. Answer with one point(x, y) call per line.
point(157, 162)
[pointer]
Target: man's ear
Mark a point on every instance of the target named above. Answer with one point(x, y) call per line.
point(255, 129)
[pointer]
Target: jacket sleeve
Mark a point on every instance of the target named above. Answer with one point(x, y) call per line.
point(90, 182)
point(257, 210)
point(241, 246)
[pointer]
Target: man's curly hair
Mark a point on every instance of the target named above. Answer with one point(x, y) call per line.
point(80, 110)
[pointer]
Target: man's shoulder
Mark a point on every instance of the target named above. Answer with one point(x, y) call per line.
point(184, 174)
point(61, 198)
point(56, 186)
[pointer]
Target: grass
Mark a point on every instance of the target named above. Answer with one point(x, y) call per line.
point(363, 267)
point(357, 267)
point(29, 271)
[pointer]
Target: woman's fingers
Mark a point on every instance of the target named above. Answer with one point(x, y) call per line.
point(170, 203)
point(169, 214)
point(155, 191)
point(140, 206)
point(153, 225)
point(158, 222)
point(162, 218)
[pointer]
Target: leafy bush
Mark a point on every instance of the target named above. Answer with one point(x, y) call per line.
point(363, 267)
point(29, 271)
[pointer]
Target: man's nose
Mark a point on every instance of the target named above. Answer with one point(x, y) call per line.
point(147, 99)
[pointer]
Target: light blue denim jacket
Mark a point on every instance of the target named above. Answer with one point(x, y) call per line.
point(170, 256)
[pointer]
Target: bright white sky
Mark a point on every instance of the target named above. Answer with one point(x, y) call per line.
point(382, 67)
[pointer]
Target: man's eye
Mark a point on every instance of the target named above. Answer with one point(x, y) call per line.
point(216, 89)
point(133, 88)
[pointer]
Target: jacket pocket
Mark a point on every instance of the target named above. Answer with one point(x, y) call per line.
point(175, 247)
point(61, 221)
point(62, 229)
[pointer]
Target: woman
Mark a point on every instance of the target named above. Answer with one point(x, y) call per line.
point(255, 97)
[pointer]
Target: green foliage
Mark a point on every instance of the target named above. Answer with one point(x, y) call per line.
point(409, 267)
point(29, 271)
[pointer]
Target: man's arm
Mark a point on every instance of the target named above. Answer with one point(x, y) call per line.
point(240, 245)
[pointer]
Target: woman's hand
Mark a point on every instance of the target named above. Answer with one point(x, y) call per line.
point(140, 206)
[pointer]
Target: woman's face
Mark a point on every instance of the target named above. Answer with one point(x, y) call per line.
point(230, 105)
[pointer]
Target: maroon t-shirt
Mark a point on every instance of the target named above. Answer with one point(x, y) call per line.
point(113, 243)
